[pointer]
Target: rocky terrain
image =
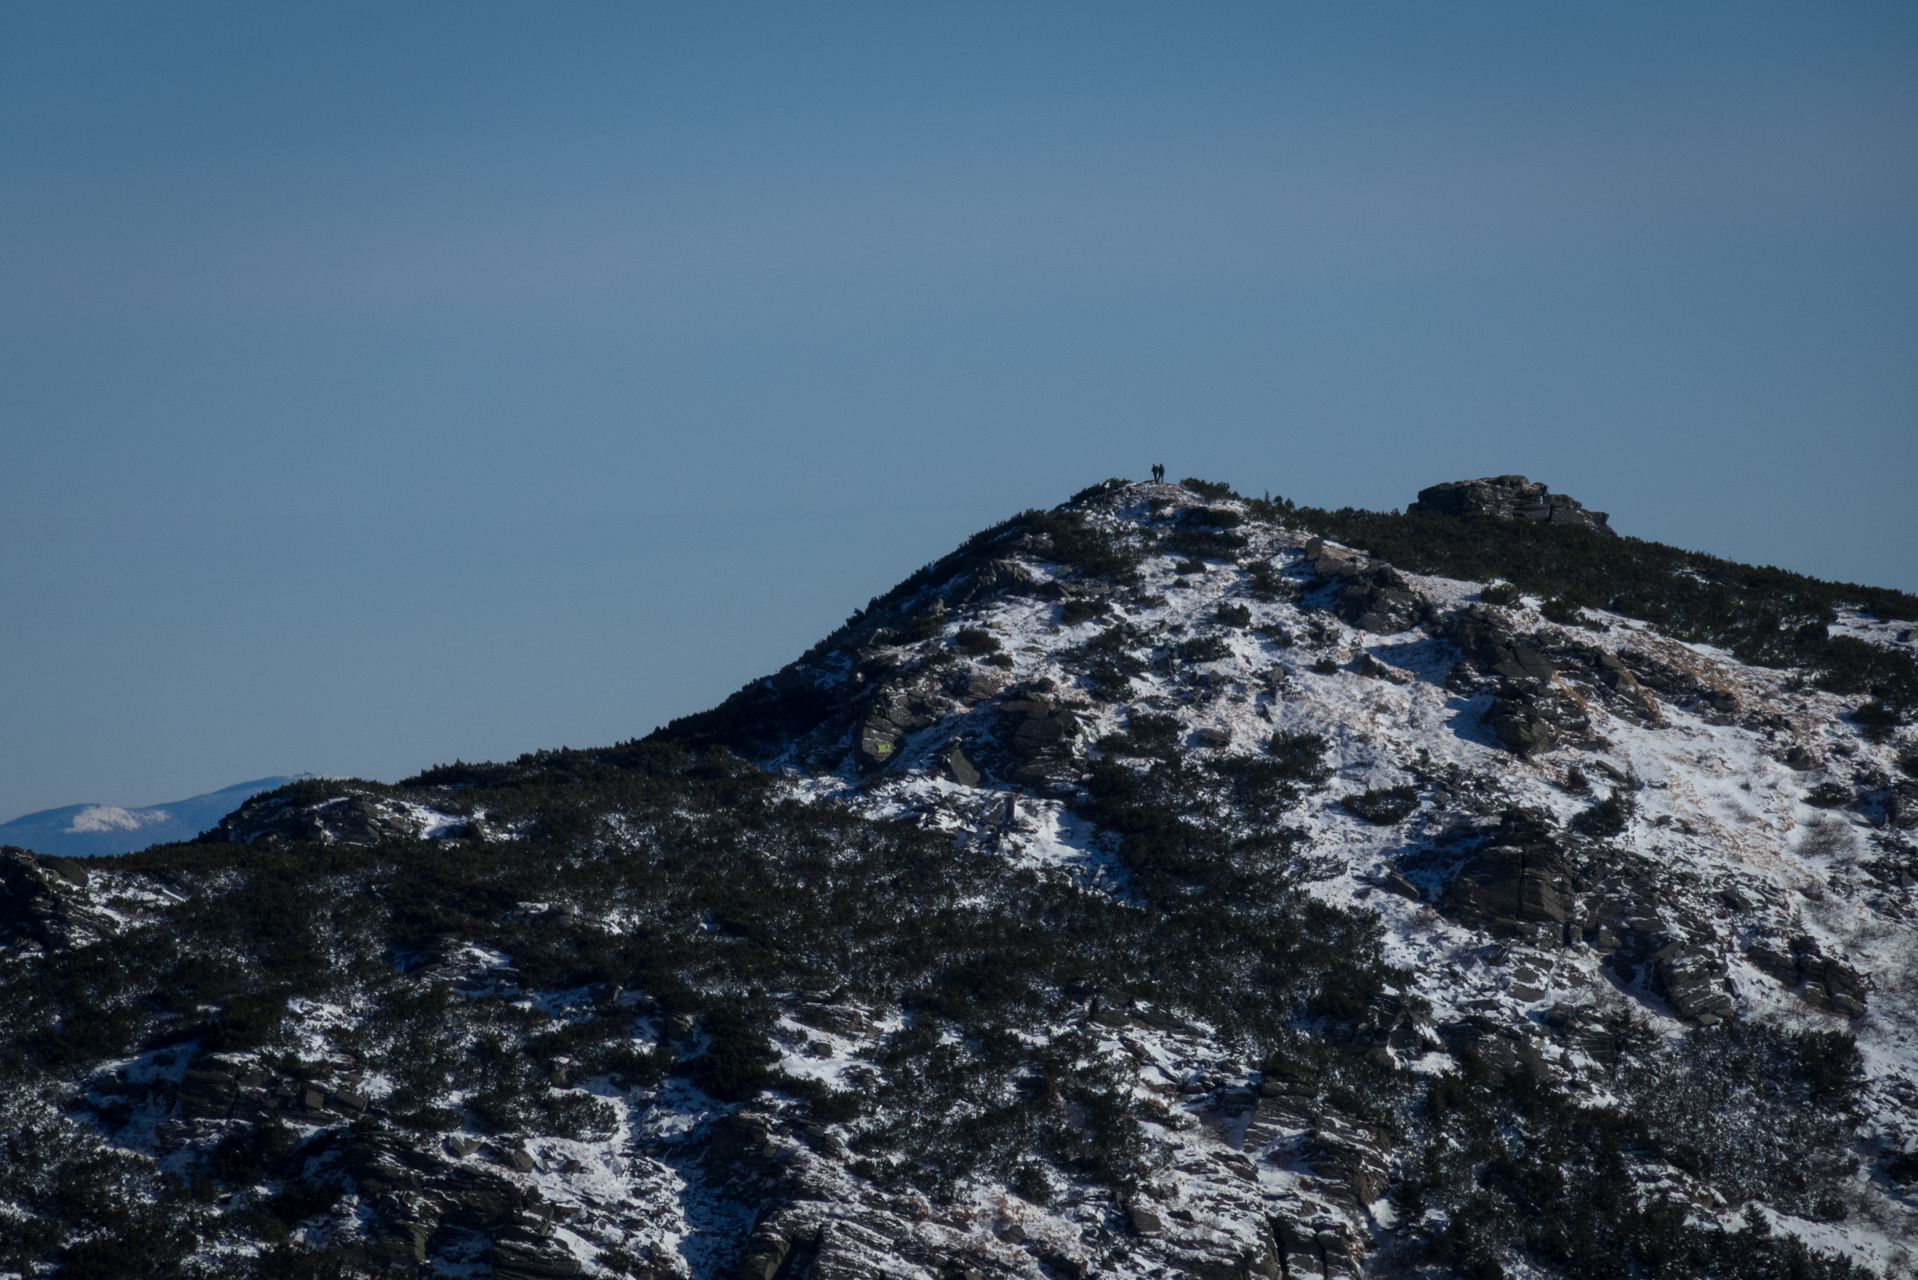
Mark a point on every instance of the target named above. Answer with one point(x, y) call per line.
point(1167, 884)
point(1510, 498)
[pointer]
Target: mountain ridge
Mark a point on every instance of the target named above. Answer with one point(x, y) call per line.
point(93, 830)
point(1168, 883)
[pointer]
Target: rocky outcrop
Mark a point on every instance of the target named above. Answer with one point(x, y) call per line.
point(46, 899)
point(1487, 644)
point(991, 578)
point(1493, 1044)
point(1600, 1037)
point(218, 1086)
point(1041, 734)
point(1901, 805)
point(957, 768)
point(894, 713)
point(1520, 726)
point(1532, 711)
point(1828, 985)
point(1516, 883)
point(1351, 1155)
point(1692, 977)
point(1367, 593)
point(1509, 498)
point(354, 819)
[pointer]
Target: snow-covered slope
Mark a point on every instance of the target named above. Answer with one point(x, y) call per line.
point(1151, 889)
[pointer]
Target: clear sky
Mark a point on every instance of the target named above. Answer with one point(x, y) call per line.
point(383, 383)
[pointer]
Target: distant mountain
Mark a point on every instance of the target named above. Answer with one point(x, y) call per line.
point(96, 830)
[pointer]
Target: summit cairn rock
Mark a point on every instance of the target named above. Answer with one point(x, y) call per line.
point(1509, 498)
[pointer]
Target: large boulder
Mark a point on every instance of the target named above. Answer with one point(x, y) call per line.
point(1692, 978)
point(1509, 498)
point(1367, 593)
point(1351, 1155)
point(1486, 641)
point(1826, 984)
point(1517, 882)
point(1041, 737)
point(890, 717)
point(1520, 727)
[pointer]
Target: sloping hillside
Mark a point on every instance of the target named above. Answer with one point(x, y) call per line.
point(1166, 884)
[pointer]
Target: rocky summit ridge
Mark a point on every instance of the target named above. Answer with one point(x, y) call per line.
point(1166, 884)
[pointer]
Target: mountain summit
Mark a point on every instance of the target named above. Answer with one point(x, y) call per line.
point(1169, 883)
point(1509, 498)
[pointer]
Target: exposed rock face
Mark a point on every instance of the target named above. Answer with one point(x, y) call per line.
point(221, 1086)
point(357, 819)
point(1509, 498)
point(1041, 739)
point(1901, 805)
point(1532, 710)
point(1369, 594)
point(1692, 977)
point(1828, 985)
point(893, 714)
point(1520, 727)
point(958, 768)
point(44, 899)
point(1497, 1045)
point(994, 577)
point(1516, 883)
point(1485, 641)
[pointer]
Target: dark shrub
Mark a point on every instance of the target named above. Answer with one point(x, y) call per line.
point(243, 1157)
point(1210, 490)
point(1264, 583)
point(1205, 544)
point(579, 1116)
point(305, 1199)
point(1562, 611)
point(976, 641)
point(1828, 795)
point(1075, 611)
point(1211, 518)
point(1503, 593)
point(246, 1022)
point(1384, 806)
point(1204, 649)
point(1302, 755)
point(1606, 818)
point(737, 1062)
point(1100, 490)
point(1233, 615)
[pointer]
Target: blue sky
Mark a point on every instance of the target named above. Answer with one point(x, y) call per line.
point(383, 383)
